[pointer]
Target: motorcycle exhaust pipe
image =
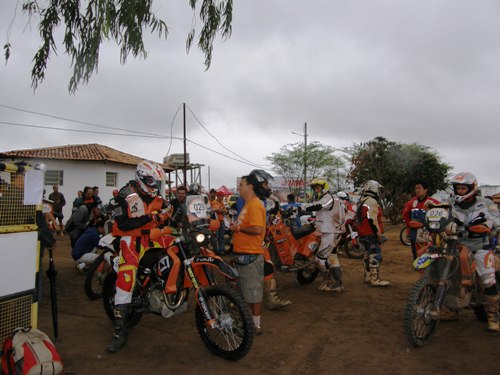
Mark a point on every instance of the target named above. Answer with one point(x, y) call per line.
point(294, 269)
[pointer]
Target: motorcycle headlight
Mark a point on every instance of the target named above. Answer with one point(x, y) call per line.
point(435, 225)
point(200, 238)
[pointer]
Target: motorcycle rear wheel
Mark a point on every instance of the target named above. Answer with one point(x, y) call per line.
point(108, 300)
point(404, 236)
point(354, 251)
point(95, 277)
point(233, 337)
point(419, 322)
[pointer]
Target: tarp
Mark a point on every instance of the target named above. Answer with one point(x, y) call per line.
point(225, 190)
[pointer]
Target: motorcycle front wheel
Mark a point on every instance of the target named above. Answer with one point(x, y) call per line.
point(95, 277)
point(420, 319)
point(354, 250)
point(306, 275)
point(108, 300)
point(232, 336)
point(404, 236)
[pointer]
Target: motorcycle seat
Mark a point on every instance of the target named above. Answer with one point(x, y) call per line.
point(298, 233)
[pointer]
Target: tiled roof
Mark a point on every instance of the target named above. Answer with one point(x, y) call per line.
point(89, 152)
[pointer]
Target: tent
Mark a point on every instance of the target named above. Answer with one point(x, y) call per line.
point(225, 190)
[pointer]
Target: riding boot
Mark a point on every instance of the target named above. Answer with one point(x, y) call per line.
point(326, 283)
point(274, 302)
point(491, 307)
point(119, 339)
point(375, 277)
point(366, 267)
point(336, 276)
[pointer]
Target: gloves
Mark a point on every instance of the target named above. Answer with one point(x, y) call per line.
point(159, 217)
point(314, 207)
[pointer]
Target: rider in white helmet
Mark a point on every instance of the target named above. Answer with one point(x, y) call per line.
point(469, 209)
point(370, 230)
point(330, 218)
point(137, 210)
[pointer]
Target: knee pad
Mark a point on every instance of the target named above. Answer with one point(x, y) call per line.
point(321, 262)
point(324, 253)
point(333, 260)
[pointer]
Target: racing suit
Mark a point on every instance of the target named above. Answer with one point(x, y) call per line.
point(330, 220)
point(370, 230)
point(135, 214)
point(481, 211)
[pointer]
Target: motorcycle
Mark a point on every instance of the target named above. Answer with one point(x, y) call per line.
point(449, 279)
point(292, 249)
point(166, 275)
point(349, 242)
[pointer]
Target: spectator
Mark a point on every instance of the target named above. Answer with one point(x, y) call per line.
point(249, 234)
point(219, 208)
point(81, 219)
point(88, 241)
point(97, 199)
point(58, 203)
point(180, 193)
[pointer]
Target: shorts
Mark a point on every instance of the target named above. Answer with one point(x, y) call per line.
point(252, 280)
point(58, 215)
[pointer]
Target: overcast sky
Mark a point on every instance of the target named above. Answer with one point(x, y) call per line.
point(411, 71)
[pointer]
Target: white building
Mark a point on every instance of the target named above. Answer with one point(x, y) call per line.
point(73, 167)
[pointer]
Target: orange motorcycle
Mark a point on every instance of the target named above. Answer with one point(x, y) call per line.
point(292, 249)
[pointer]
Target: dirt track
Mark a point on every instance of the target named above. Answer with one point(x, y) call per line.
point(357, 332)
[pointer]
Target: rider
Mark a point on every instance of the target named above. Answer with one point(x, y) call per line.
point(419, 237)
point(470, 209)
point(330, 218)
point(136, 212)
point(370, 230)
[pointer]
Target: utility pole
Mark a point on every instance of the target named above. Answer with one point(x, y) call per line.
point(305, 159)
point(185, 151)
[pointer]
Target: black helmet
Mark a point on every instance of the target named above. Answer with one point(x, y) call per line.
point(257, 178)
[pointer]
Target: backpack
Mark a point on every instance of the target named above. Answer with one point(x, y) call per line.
point(30, 351)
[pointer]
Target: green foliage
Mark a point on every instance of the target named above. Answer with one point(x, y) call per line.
point(320, 161)
point(123, 21)
point(398, 167)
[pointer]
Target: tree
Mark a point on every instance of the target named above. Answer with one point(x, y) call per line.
point(321, 161)
point(122, 21)
point(398, 167)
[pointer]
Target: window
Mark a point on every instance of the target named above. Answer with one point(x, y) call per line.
point(111, 179)
point(54, 178)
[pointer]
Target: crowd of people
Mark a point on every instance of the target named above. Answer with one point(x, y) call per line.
point(139, 206)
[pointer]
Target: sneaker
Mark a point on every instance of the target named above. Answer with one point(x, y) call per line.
point(81, 267)
point(258, 331)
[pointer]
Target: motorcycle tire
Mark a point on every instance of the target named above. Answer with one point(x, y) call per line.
point(233, 336)
point(404, 236)
point(108, 300)
point(419, 324)
point(354, 251)
point(95, 276)
point(306, 275)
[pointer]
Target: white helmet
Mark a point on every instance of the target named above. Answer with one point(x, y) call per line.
point(464, 178)
point(149, 176)
point(371, 186)
point(343, 195)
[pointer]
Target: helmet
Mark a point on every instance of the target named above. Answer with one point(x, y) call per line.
point(148, 176)
point(320, 181)
point(258, 177)
point(464, 178)
point(343, 195)
point(195, 189)
point(371, 186)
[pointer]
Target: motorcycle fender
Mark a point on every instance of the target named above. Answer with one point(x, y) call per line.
point(308, 246)
point(214, 262)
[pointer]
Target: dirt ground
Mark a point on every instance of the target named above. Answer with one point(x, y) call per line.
point(357, 332)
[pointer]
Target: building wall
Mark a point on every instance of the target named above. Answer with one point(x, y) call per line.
point(78, 174)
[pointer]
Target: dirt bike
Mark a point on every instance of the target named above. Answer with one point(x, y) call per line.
point(349, 243)
point(292, 249)
point(166, 275)
point(404, 235)
point(449, 280)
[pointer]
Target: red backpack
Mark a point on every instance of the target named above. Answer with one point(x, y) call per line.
point(30, 351)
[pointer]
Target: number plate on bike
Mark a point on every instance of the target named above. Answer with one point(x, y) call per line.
point(436, 214)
